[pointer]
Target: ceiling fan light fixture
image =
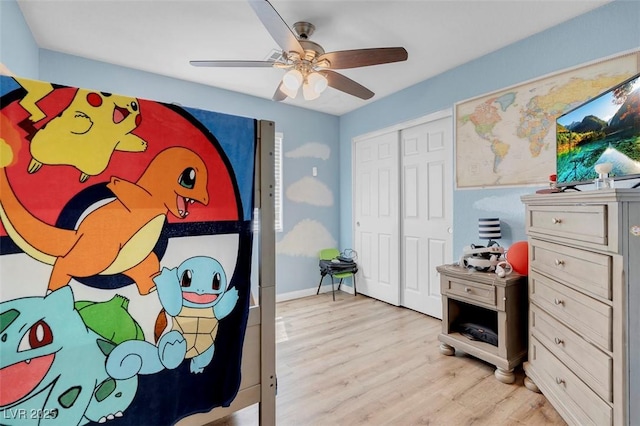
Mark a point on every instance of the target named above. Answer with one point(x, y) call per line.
point(314, 85)
point(292, 80)
point(306, 62)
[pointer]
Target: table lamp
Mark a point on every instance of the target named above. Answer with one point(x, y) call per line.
point(489, 229)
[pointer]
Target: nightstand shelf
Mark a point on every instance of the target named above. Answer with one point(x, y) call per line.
point(497, 303)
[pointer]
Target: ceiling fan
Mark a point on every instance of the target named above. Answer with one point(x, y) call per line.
point(307, 64)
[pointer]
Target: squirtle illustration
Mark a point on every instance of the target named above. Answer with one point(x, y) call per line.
point(195, 297)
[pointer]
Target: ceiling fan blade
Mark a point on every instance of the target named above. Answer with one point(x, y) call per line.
point(276, 26)
point(345, 84)
point(279, 95)
point(364, 57)
point(231, 64)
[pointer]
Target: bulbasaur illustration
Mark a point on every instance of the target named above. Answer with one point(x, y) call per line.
point(195, 297)
point(52, 369)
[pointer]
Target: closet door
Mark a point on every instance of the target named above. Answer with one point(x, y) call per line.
point(427, 217)
point(377, 229)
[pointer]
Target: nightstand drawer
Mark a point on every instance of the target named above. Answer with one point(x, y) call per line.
point(585, 315)
point(584, 270)
point(577, 222)
point(471, 291)
point(586, 406)
point(589, 363)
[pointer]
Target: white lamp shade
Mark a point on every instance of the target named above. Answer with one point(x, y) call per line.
point(292, 80)
point(308, 92)
point(316, 83)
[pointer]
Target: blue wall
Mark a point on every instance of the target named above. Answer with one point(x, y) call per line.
point(18, 49)
point(611, 29)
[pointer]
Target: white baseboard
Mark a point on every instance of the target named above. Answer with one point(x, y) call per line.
point(311, 292)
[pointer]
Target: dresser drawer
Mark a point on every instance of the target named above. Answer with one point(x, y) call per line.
point(586, 406)
point(469, 290)
point(593, 366)
point(583, 270)
point(578, 222)
point(586, 316)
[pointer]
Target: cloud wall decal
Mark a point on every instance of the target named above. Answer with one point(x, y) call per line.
point(306, 239)
point(310, 191)
point(310, 150)
point(510, 205)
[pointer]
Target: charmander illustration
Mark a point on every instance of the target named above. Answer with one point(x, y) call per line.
point(86, 133)
point(117, 237)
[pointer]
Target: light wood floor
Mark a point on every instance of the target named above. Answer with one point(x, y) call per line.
point(359, 361)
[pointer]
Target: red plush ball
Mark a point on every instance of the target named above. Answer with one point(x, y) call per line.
point(518, 257)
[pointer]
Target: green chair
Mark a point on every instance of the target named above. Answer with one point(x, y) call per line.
point(326, 256)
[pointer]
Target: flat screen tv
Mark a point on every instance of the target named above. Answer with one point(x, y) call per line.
point(605, 129)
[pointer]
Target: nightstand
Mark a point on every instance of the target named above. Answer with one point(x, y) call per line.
point(500, 304)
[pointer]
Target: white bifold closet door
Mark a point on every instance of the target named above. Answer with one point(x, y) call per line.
point(377, 217)
point(403, 213)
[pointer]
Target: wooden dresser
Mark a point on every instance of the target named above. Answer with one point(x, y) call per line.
point(584, 303)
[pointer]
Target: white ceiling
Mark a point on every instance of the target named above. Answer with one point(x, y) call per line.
point(161, 36)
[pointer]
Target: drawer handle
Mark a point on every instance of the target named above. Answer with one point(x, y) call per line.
point(556, 220)
point(467, 289)
point(558, 301)
point(560, 381)
point(559, 262)
point(558, 341)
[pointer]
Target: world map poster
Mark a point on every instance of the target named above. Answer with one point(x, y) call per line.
point(507, 138)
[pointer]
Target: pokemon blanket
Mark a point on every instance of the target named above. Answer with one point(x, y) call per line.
point(125, 255)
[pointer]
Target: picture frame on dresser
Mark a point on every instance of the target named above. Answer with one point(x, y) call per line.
point(584, 324)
